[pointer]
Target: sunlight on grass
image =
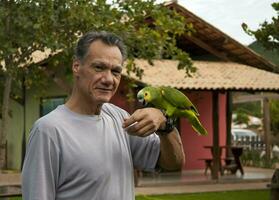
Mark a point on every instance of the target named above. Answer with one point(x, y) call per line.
point(230, 195)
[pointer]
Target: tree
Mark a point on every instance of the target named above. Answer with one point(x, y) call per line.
point(268, 36)
point(268, 33)
point(26, 26)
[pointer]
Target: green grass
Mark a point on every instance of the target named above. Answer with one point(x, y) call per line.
point(230, 195)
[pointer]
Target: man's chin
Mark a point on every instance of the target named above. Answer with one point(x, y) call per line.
point(101, 97)
point(103, 100)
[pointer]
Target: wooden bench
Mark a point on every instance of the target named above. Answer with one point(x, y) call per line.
point(230, 165)
point(10, 191)
point(208, 164)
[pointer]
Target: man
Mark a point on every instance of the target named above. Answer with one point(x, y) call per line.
point(87, 148)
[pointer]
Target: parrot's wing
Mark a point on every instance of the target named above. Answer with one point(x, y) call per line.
point(177, 99)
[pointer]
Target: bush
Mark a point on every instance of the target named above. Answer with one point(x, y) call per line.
point(256, 158)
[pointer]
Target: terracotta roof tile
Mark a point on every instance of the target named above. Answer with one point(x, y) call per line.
point(209, 75)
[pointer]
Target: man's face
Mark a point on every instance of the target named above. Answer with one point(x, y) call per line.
point(98, 76)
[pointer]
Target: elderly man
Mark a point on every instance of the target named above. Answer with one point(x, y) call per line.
point(87, 148)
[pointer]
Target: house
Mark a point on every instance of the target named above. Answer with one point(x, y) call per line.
point(223, 66)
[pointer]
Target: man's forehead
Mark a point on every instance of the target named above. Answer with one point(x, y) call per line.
point(105, 63)
point(98, 49)
point(99, 45)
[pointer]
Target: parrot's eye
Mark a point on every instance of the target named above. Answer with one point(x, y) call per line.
point(145, 94)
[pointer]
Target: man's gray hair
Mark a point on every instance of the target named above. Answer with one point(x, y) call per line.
point(107, 38)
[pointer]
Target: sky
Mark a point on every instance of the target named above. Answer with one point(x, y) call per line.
point(228, 15)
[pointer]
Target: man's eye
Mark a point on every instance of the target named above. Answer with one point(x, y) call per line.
point(116, 72)
point(98, 68)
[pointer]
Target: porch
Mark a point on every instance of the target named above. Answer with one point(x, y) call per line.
point(194, 181)
point(190, 177)
point(188, 181)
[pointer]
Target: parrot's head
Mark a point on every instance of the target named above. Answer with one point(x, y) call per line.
point(148, 95)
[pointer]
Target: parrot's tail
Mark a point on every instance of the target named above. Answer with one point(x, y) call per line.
point(195, 122)
point(198, 127)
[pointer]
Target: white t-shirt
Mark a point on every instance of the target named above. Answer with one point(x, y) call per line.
point(85, 157)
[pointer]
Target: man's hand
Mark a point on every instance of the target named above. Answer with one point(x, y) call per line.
point(144, 122)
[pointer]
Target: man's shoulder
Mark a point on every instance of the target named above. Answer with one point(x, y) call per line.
point(49, 120)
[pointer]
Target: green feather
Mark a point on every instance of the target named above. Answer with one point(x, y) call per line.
point(177, 99)
point(174, 103)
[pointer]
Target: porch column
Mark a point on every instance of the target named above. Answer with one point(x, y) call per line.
point(229, 106)
point(215, 120)
point(266, 125)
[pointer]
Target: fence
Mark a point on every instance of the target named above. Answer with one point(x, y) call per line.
point(254, 153)
point(253, 143)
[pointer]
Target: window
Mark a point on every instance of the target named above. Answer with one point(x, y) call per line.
point(50, 103)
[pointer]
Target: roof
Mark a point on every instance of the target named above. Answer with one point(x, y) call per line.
point(218, 43)
point(209, 76)
point(244, 69)
point(37, 57)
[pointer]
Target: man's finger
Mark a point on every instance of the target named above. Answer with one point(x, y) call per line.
point(129, 122)
point(134, 128)
point(146, 131)
point(143, 131)
point(135, 117)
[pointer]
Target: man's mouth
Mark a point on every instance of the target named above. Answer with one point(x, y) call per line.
point(105, 89)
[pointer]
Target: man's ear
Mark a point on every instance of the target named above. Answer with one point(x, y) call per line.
point(76, 67)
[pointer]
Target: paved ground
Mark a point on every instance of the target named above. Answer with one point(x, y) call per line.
point(185, 182)
point(195, 181)
point(196, 188)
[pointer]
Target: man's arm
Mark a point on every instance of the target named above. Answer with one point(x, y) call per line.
point(172, 155)
point(41, 166)
point(146, 121)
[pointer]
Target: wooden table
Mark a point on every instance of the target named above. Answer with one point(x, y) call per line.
point(219, 157)
point(236, 163)
point(233, 164)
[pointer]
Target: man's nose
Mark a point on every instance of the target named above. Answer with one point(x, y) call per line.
point(107, 77)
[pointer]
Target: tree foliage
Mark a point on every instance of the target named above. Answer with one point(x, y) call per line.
point(268, 36)
point(149, 30)
point(249, 108)
point(268, 33)
point(241, 118)
point(27, 26)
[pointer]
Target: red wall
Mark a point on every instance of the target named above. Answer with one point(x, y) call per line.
point(193, 144)
point(120, 98)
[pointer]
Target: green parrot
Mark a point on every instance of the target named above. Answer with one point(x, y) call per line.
point(173, 102)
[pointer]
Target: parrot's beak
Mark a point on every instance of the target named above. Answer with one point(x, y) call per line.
point(140, 97)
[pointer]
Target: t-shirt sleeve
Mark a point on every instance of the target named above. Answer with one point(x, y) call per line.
point(41, 167)
point(145, 151)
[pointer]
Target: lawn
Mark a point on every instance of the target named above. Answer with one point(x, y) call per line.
point(230, 195)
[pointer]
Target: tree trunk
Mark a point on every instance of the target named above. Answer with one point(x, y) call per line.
point(4, 124)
